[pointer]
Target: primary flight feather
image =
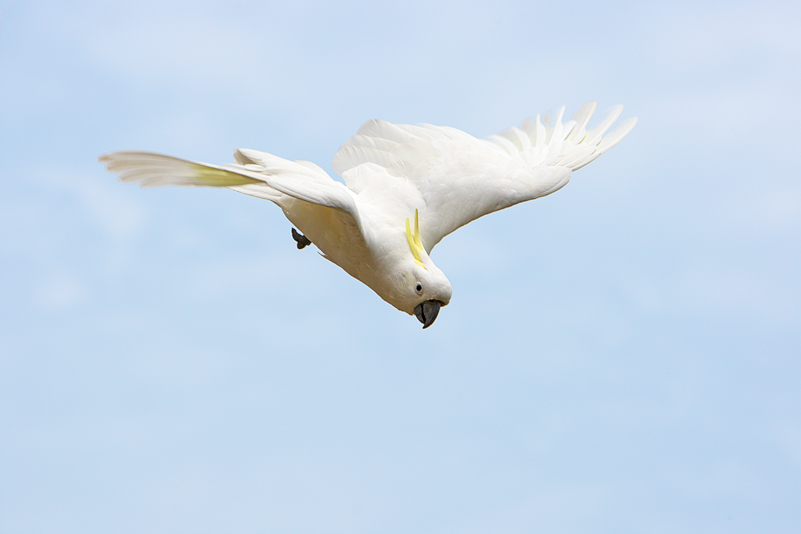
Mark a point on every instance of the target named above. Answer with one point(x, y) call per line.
point(406, 187)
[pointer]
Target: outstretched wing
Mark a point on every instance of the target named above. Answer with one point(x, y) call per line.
point(452, 178)
point(255, 173)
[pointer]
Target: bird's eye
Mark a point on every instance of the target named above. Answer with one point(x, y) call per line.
point(418, 287)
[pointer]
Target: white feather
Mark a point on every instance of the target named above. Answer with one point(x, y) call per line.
point(441, 175)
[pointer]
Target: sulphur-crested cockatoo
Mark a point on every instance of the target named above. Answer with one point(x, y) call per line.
point(406, 187)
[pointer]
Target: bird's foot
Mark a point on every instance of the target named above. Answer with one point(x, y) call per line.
point(301, 239)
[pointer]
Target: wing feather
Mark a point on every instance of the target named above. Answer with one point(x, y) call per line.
point(256, 173)
point(461, 178)
point(582, 117)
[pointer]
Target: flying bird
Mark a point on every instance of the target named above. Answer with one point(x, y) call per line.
point(406, 187)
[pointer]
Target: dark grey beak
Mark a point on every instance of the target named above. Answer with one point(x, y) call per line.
point(426, 312)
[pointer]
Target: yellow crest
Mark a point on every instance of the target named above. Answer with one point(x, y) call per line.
point(415, 243)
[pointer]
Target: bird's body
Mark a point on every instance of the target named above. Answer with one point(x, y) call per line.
point(406, 187)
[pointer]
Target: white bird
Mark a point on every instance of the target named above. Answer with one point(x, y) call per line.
point(406, 187)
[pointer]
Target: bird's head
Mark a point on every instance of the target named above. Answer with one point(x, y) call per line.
point(422, 288)
point(422, 291)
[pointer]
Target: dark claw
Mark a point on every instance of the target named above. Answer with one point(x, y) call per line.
point(301, 239)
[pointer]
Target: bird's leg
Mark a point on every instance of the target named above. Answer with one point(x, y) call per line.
point(301, 239)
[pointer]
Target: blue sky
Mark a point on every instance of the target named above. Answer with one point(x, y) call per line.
point(622, 356)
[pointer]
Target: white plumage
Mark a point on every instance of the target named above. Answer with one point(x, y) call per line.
point(398, 178)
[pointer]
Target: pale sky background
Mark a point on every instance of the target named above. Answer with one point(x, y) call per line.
point(621, 357)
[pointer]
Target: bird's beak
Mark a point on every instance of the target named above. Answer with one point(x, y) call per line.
point(426, 312)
